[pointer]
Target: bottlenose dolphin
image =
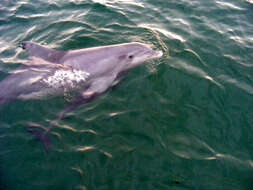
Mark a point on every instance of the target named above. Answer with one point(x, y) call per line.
point(86, 72)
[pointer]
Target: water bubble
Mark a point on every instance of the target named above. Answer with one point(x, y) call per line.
point(66, 79)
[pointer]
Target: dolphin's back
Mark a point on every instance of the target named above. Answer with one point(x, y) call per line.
point(17, 83)
point(25, 82)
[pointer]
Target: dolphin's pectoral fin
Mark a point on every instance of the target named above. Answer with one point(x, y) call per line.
point(36, 50)
point(77, 102)
point(96, 88)
point(120, 78)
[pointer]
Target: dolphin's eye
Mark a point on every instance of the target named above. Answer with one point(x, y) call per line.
point(130, 56)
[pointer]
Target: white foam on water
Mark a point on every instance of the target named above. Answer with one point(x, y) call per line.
point(66, 79)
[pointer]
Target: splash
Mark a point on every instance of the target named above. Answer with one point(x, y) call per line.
point(66, 79)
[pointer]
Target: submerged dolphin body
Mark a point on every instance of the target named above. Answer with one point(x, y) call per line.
point(88, 72)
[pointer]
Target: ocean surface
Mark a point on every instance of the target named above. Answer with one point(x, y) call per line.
point(181, 122)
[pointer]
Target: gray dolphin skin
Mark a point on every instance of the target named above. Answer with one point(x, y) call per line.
point(86, 73)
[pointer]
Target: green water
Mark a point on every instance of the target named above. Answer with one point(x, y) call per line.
point(182, 122)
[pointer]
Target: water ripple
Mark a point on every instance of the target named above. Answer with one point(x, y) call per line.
point(78, 170)
point(190, 147)
point(182, 64)
point(67, 127)
point(118, 3)
point(235, 161)
point(84, 148)
point(239, 84)
point(229, 5)
point(167, 33)
point(249, 1)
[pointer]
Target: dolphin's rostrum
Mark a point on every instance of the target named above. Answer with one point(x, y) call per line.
point(87, 72)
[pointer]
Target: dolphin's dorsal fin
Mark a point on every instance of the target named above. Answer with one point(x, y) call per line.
point(36, 50)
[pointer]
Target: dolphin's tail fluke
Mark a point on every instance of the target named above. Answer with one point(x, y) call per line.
point(42, 137)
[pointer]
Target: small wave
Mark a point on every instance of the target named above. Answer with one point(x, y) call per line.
point(69, 128)
point(167, 33)
point(237, 161)
point(92, 148)
point(242, 85)
point(229, 5)
point(84, 148)
point(109, 155)
point(113, 114)
point(196, 71)
point(238, 59)
point(241, 40)
point(249, 1)
point(72, 23)
point(190, 147)
point(78, 170)
point(113, 3)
